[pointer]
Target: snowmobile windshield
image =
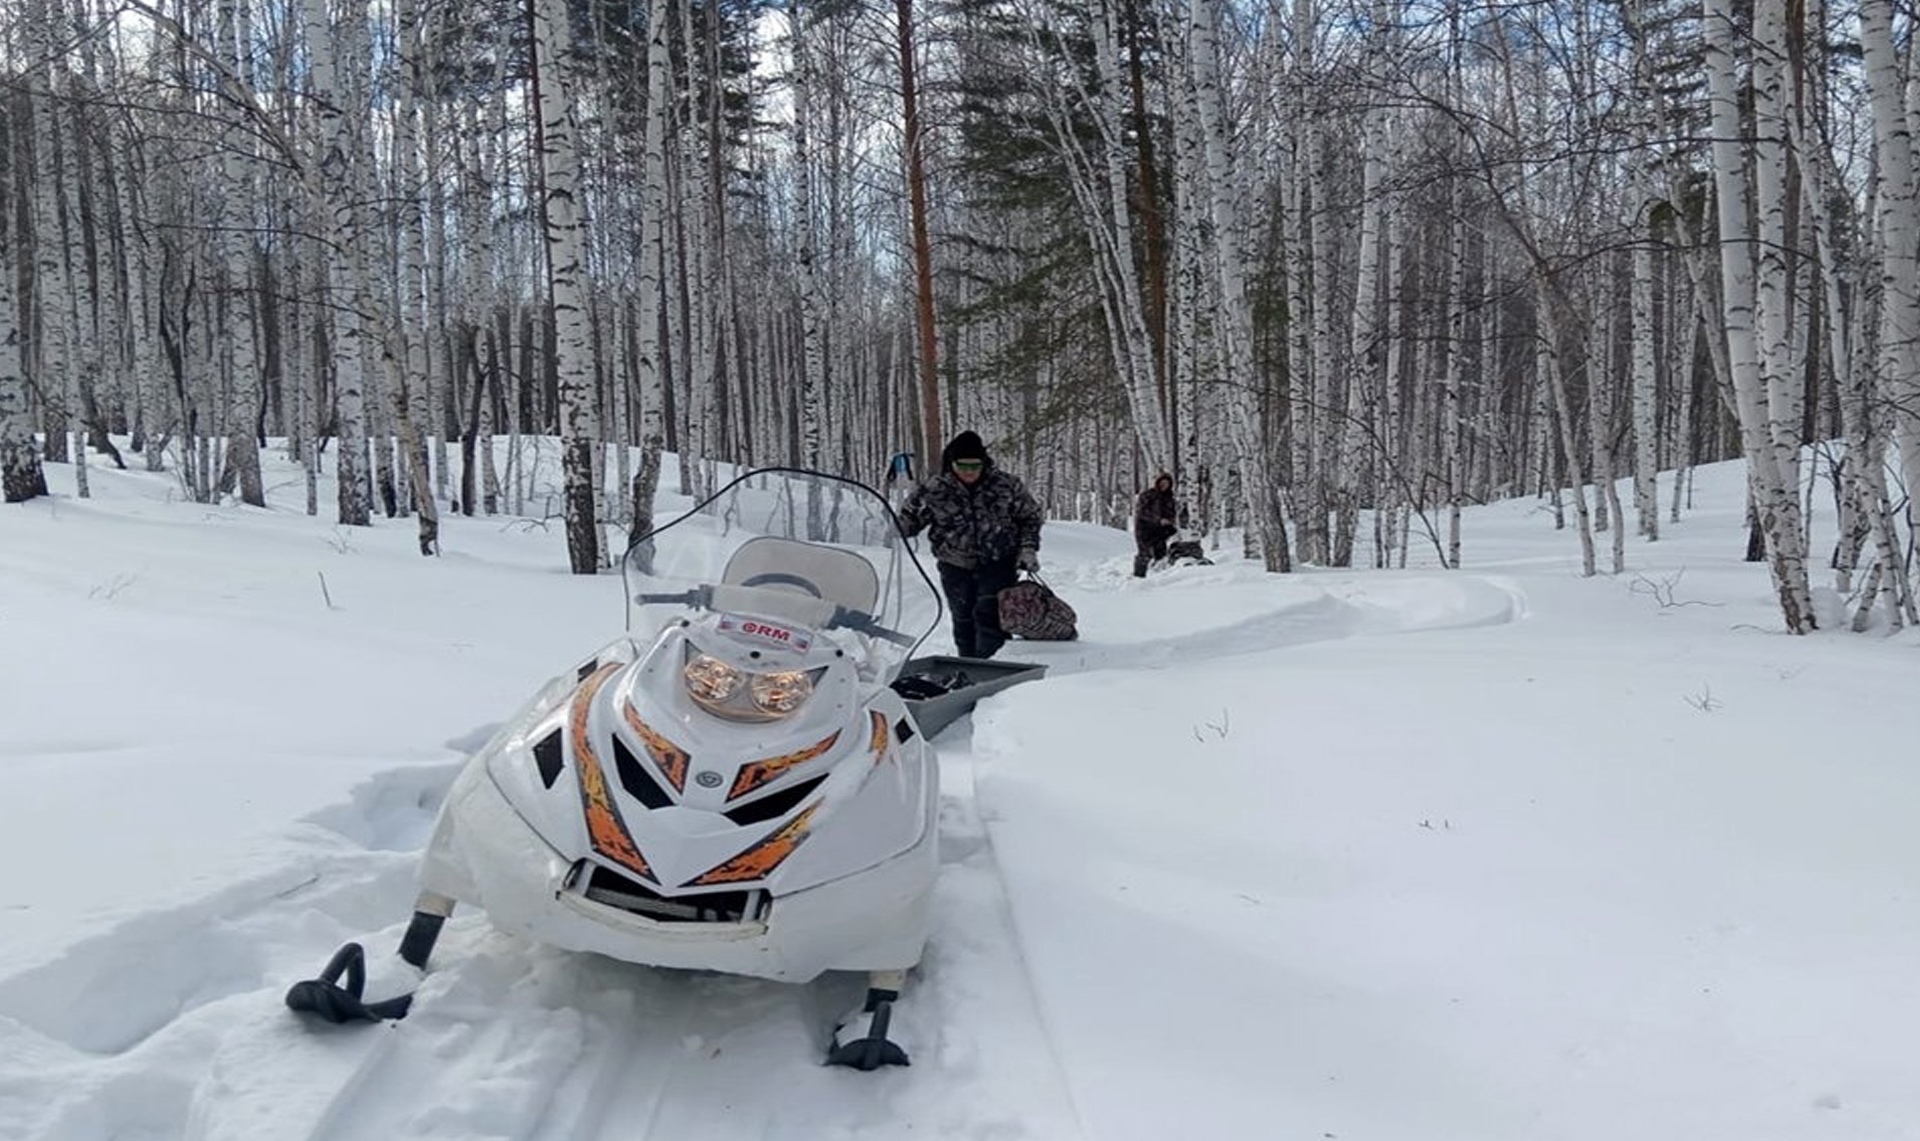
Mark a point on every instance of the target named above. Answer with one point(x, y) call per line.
point(796, 553)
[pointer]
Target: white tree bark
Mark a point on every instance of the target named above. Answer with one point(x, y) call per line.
point(1259, 487)
point(1785, 394)
point(1348, 467)
point(1385, 487)
point(1453, 412)
point(1606, 487)
point(21, 477)
point(1327, 426)
point(652, 250)
point(408, 333)
point(53, 372)
point(1304, 304)
point(1646, 441)
point(1554, 379)
point(1683, 409)
point(1776, 500)
point(566, 275)
point(813, 361)
point(1898, 224)
point(337, 209)
point(240, 356)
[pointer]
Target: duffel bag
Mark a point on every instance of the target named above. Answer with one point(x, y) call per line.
point(1030, 609)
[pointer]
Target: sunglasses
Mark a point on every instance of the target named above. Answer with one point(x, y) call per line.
point(969, 465)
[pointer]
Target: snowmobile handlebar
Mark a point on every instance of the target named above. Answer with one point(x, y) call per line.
point(864, 623)
point(692, 597)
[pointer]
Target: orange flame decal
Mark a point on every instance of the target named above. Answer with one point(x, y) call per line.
point(880, 735)
point(604, 827)
point(758, 862)
point(671, 758)
point(756, 773)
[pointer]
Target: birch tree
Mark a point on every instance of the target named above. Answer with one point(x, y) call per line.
point(54, 368)
point(1366, 357)
point(1646, 470)
point(335, 210)
point(647, 305)
point(566, 252)
point(1898, 224)
point(233, 223)
point(1236, 312)
point(1775, 500)
point(21, 477)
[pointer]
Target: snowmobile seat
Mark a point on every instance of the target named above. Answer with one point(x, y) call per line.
point(1187, 552)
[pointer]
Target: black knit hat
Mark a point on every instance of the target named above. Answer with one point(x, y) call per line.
point(965, 446)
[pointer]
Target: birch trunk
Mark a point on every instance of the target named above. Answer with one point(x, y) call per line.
point(1898, 223)
point(1366, 356)
point(154, 414)
point(1552, 346)
point(335, 207)
point(239, 355)
point(1646, 442)
point(1683, 408)
point(1784, 396)
point(1304, 304)
point(21, 477)
point(1606, 485)
point(1236, 308)
point(697, 268)
point(1775, 501)
point(646, 480)
point(443, 387)
point(806, 236)
point(407, 342)
point(1316, 504)
point(566, 276)
point(1452, 412)
point(1388, 489)
point(53, 371)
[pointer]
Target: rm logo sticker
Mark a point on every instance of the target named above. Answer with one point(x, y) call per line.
point(797, 640)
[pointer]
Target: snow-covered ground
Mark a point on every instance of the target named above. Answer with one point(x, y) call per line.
point(1492, 855)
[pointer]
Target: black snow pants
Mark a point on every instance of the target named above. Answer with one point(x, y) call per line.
point(973, 596)
point(1149, 545)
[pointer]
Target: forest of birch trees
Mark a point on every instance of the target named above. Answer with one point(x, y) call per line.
point(1344, 266)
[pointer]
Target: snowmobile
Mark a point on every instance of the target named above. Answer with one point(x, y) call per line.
point(1184, 550)
point(734, 785)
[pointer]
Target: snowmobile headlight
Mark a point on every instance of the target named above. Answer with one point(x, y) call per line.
point(710, 680)
point(735, 694)
point(781, 693)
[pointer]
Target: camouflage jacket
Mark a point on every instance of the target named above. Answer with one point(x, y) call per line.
point(986, 523)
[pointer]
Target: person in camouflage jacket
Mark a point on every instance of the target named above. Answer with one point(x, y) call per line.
point(984, 527)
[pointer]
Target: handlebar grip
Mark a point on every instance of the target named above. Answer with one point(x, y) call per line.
point(865, 623)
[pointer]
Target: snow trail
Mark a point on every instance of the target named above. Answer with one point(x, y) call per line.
point(152, 1033)
point(145, 1029)
point(511, 1042)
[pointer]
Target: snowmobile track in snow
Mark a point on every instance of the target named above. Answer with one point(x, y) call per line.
point(514, 1042)
point(143, 1028)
